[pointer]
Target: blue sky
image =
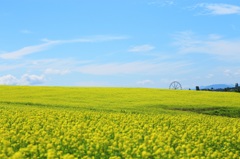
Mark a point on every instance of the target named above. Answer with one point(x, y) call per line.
point(119, 43)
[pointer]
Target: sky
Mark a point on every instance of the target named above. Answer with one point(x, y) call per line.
point(119, 43)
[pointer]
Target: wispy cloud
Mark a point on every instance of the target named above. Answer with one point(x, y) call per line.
point(232, 72)
point(56, 71)
point(116, 68)
point(48, 43)
point(227, 49)
point(144, 82)
point(141, 48)
point(26, 31)
point(45, 66)
point(56, 66)
point(8, 67)
point(210, 76)
point(161, 3)
point(27, 50)
point(25, 79)
point(218, 8)
point(136, 67)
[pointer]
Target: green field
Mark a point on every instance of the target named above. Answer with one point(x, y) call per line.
point(84, 122)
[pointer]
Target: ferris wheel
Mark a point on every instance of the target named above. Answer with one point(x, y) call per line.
point(175, 85)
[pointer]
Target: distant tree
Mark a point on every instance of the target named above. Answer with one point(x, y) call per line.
point(197, 88)
point(237, 88)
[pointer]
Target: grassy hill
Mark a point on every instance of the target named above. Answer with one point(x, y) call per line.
point(135, 100)
point(72, 122)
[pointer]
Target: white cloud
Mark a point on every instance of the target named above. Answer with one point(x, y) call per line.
point(227, 49)
point(141, 48)
point(25, 79)
point(47, 43)
point(31, 80)
point(8, 80)
point(144, 82)
point(219, 8)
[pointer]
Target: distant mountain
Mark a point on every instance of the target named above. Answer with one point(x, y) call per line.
point(217, 86)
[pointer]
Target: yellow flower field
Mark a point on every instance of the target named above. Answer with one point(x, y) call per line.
point(55, 130)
